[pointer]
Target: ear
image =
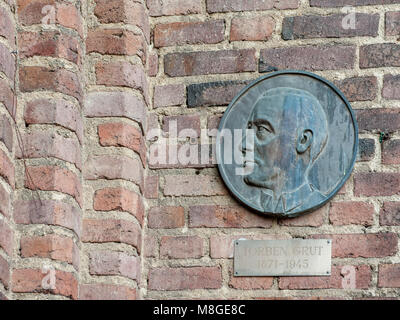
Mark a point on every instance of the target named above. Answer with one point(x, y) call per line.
point(304, 141)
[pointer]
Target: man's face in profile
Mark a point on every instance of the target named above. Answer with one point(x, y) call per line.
point(275, 125)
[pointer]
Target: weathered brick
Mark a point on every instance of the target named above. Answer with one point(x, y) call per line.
point(50, 246)
point(213, 122)
point(151, 186)
point(334, 281)
point(376, 184)
point(182, 122)
point(111, 230)
point(366, 149)
point(180, 33)
point(152, 64)
point(358, 88)
point(342, 3)
point(106, 292)
point(391, 151)
point(6, 132)
point(252, 29)
point(30, 280)
point(7, 97)
point(351, 212)
point(151, 246)
point(119, 134)
point(7, 169)
point(119, 199)
point(392, 23)
point(390, 214)
point(50, 178)
point(378, 120)
point(7, 27)
point(183, 247)
point(173, 7)
point(4, 272)
point(199, 185)
point(49, 44)
point(169, 95)
point(7, 62)
point(251, 5)
point(166, 217)
point(209, 62)
point(48, 212)
point(391, 87)
point(116, 42)
point(368, 245)
point(312, 58)
point(211, 216)
point(380, 55)
point(114, 167)
point(5, 202)
point(116, 104)
point(185, 278)
point(54, 111)
point(389, 276)
point(42, 78)
point(251, 283)
point(108, 263)
point(213, 93)
point(329, 26)
point(313, 219)
point(6, 237)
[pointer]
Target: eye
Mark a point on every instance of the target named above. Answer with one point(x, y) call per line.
point(263, 129)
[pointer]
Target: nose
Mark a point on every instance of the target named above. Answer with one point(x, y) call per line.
point(247, 142)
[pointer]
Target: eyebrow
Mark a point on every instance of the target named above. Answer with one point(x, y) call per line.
point(264, 121)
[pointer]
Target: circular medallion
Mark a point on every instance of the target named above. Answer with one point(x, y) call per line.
point(287, 143)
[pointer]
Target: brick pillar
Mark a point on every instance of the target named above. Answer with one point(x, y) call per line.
point(49, 199)
point(115, 157)
point(7, 138)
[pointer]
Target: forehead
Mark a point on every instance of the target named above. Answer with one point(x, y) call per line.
point(270, 108)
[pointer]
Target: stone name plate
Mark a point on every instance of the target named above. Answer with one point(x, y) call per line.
point(294, 257)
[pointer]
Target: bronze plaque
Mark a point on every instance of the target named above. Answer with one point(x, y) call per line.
point(294, 257)
point(287, 143)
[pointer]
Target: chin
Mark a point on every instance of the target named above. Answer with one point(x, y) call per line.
point(253, 181)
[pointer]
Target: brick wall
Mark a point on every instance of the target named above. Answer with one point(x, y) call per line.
point(82, 204)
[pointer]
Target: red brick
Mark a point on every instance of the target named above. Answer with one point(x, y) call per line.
point(329, 26)
point(6, 132)
point(120, 134)
point(7, 62)
point(30, 280)
point(380, 55)
point(198, 185)
point(313, 219)
point(112, 167)
point(173, 7)
point(182, 122)
point(392, 23)
point(351, 212)
point(252, 29)
point(369, 245)
point(42, 78)
point(185, 278)
point(313, 58)
point(111, 230)
point(166, 217)
point(5, 202)
point(378, 120)
point(123, 11)
point(116, 104)
point(106, 292)
point(342, 3)
point(6, 237)
point(50, 246)
point(213, 121)
point(153, 64)
point(169, 95)
point(151, 246)
point(69, 16)
point(119, 199)
point(180, 33)
point(7, 97)
point(46, 144)
point(109, 263)
point(116, 42)
point(50, 178)
point(250, 5)
point(7, 27)
point(366, 149)
point(54, 111)
point(358, 88)
point(389, 276)
point(391, 151)
point(363, 280)
point(391, 86)
point(376, 184)
point(390, 214)
point(151, 187)
point(184, 247)
point(4, 272)
point(49, 44)
point(209, 62)
point(251, 283)
point(7, 169)
point(211, 216)
point(48, 212)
